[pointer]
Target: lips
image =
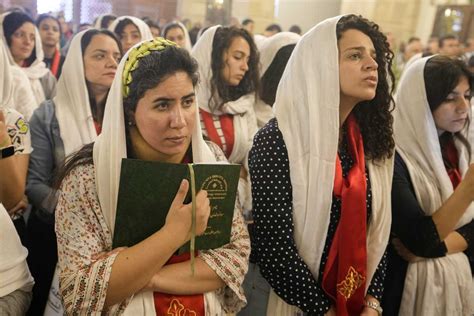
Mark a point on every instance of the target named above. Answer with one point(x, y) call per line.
point(177, 139)
point(371, 80)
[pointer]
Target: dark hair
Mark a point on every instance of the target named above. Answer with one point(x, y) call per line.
point(442, 39)
point(152, 69)
point(295, 29)
point(151, 24)
point(247, 21)
point(46, 16)
point(374, 116)
point(470, 62)
point(271, 77)
point(442, 74)
point(121, 25)
point(168, 27)
point(97, 109)
point(274, 28)
point(106, 19)
point(250, 82)
point(13, 22)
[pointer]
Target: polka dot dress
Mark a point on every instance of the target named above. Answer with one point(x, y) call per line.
point(274, 248)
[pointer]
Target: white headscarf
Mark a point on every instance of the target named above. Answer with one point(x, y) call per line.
point(307, 110)
point(109, 149)
point(143, 28)
point(14, 271)
point(435, 286)
point(268, 48)
point(72, 107)
point(6, 79)
point(36, 70)
point(187, 39)
point(98, 22)
point(242, 109)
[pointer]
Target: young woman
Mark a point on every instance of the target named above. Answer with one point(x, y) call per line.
point(432, 193)
point(321, 174)
point(151, 114)
point(60, 127)
point(130, 30)
point(177, 32)
point(26, 52)
point(274, 54)
point(50, 32)
point(228, 69)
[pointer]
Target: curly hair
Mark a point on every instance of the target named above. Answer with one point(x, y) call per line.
point(442, 74)
point(374, 116)
point(250, 82)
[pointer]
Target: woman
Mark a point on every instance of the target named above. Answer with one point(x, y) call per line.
point(331, 146)
point(50, 32)
point(103, 21)
point(432, 192)
point(177, 32)
point(26, 52)
point(228, 69)
point(149, 117)
point(60, 127)
point(274, 54)
point(130, 30)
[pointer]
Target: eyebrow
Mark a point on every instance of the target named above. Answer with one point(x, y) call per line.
point(192, 94)
point(239, 51)
point(99, 50)
point(359, 48)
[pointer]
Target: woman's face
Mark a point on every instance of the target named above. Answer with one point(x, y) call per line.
point(101, 58)
point(176, 35)
point(452, 114)
point(23, 42)
point(49, 32)
point(358, 75)
point(165, 117)
point(155, 31)
point(130, 36)
point(236, 59)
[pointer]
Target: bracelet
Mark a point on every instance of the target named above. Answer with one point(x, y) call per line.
point(374, 305)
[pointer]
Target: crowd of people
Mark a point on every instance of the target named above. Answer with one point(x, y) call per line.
point(356, 187)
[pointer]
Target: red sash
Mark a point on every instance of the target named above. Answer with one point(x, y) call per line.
point(179, 305)
point(55, 63)
point(227, 125)
point(451, 154)
point(345, 272)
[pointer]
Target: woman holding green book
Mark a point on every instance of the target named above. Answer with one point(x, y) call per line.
point(151, 114)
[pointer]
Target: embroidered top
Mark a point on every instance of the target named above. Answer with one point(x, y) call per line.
point(82, 232)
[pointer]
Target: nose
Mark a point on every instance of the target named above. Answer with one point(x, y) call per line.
point(371, 64)
point(463, 105)
point(245, 66)
point(177, 117)
point(111, 62)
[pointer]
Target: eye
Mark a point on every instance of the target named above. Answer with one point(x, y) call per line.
point(100, 56)
point(468, 96)
point(188, 102)
point(355, 56)
point(162, 106)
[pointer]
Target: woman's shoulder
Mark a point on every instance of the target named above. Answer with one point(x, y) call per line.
point(269, 136)
point(79, 175)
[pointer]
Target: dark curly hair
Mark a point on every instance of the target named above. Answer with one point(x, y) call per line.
point(152, 69)
point(374, 116)
point(442, 74)
point(271, 77)
point(250, 82)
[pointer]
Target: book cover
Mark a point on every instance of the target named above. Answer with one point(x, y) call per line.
point(147, 189)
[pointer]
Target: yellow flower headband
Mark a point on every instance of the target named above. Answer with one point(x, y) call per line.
point(134, 56)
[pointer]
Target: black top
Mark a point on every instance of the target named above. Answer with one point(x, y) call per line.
point(49, 63)
point(416, 231)
point(273, 247)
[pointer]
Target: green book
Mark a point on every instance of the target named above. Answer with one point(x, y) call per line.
point(147, 189)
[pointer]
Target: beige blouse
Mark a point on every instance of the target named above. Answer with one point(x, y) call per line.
point(82, 233)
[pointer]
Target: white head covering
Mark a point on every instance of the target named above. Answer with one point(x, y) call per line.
point(259, 39)
point(144, 29)
point(98, 22)
point(72, 107)
point(36, 70)
point(14, 271)
point(187, 39)
point(109, 149)
point(436, 285)
point(270, 46)
point(6, 87)
point(307, 110)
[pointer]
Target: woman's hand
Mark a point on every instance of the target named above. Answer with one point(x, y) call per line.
point(367, 311)
point(403, 252)
point(19, 208)
point(179, 218)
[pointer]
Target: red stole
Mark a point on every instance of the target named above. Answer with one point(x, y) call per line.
point(55, 63)
point(227, 125)
point(345, 273)
point(179, 305)
point(451, 154)
point(98, 127)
